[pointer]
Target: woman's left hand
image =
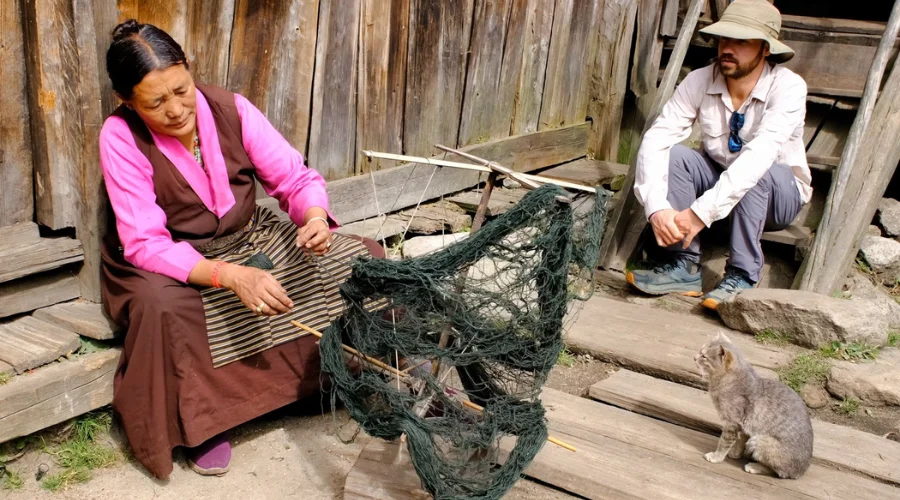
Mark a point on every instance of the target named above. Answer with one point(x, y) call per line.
point(315, 236)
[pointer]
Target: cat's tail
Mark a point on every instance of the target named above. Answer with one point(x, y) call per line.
point(788, 462)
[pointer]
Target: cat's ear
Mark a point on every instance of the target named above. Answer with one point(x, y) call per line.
point(727, 357)
point(721, 337)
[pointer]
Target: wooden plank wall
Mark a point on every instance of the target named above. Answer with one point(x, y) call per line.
point(334, 77)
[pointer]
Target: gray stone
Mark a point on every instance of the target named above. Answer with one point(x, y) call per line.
point(810, 318)
point(873, 230)
point(815, 396)
point(422, 245)
point(883, 257)
point(510, 183)
point(889, 216)
point(875, 383)
point(860, 288)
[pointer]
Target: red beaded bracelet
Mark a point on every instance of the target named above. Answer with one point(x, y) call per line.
point(215, 273)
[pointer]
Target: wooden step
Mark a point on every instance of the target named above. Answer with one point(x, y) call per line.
point(28, 343)
point(56, 393)
point(656, 341)
point(84, 318)
point(23, 256)
point(37, 291)
point(624, 455)
point(586, 171)
point(836, 445)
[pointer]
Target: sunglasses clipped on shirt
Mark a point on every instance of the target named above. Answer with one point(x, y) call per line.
point(735, 143)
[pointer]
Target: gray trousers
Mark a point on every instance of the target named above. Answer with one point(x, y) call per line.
point(771, 205)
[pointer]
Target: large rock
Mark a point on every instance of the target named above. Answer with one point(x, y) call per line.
point(810, 318)
point(815, 396)
point(859, 288)
point(889, 216)
point(883, 257)
point(421, 245)
point(874, 383)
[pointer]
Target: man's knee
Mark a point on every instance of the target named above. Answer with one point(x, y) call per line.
point(680, 158)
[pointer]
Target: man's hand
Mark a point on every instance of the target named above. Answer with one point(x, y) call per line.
point(665, 229)
point(689, 224)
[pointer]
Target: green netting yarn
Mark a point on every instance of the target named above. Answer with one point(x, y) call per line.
point(502, 295)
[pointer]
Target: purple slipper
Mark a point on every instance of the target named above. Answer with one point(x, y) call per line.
point(212, 458)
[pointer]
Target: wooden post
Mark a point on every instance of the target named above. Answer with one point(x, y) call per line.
point(819, 272)
point(718, 8)
point(628, 221)
point(483, 204)
point(609, 78)
point(16, 166)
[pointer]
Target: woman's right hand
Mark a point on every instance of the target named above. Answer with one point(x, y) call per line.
point(257, 289)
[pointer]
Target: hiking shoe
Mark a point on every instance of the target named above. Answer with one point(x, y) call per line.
point(212, 458)
point(733, 282)
point(679, 276)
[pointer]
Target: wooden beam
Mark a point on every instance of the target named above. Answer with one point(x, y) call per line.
point(17, 261)
point(610, 77)
point(55, 109)
point(718, 8)
point(668, 24)
point(573, 46)
point(332, 136)
point(354, 199)
point(37, 291)
point(383, 38)
point(627, 221)
point(439, 35)
point(867, 164)
point(273, 52)
point(16, 173)
point(56, 393)
point(833, 24)
point(871, 455)
point(525, 62)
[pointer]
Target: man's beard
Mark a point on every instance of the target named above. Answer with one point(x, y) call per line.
point(739, 71)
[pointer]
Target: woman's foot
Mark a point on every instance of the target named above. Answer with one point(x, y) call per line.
point(212, 458)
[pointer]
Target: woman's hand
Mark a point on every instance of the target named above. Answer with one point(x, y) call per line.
point(315, 236)
point(257, 289)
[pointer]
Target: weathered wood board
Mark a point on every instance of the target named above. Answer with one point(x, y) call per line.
point(332, 135)
point(868, 454)
point(383, 38)
point(439, 217)
point(49, 253)
point(439, 35)
point(587, 172)
point(626, 455)
point(56, 393)
point(376, 229)
point(17, 202)
point(354, 199)
point(828, 144)
point(528, 40)
point(28, 343)
point(501, 200)
point(84, 318)
point(572, 52)
point(273, 50)
point(656, 341)
point(37, 291)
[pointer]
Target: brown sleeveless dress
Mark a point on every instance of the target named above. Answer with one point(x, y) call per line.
point(166, 391)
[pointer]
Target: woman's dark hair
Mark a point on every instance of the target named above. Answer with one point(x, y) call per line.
point(136, 50)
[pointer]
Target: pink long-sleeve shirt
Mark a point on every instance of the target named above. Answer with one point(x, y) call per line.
point(141, 223)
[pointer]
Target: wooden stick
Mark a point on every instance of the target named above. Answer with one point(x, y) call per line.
point(551, 439)
point(476, 168)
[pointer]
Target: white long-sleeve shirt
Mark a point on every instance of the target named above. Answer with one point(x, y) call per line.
point(774, 113)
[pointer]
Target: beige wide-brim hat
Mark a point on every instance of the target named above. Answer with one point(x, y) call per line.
point(752, 20)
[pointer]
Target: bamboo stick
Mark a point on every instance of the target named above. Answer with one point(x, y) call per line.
point(394, 371)
point(476, 168)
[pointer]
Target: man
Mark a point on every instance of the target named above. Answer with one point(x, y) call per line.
point(753, 163)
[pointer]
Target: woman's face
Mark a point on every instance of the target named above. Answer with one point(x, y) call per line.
point(166, 101)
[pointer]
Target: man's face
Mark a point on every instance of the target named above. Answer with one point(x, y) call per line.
point(738, 58)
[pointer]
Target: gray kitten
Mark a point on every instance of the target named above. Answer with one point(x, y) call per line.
point(763, 419)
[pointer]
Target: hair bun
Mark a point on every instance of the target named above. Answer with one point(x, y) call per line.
point(126, 29)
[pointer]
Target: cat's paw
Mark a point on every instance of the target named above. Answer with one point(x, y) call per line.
point(736, 452)
point(757, 468)
point(714, 457)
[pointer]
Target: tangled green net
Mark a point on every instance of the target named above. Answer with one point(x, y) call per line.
point(500, 297)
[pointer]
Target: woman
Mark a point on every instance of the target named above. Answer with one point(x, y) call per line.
point(205, 282)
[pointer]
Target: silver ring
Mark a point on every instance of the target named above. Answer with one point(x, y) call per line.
point(259, 308)
point(328, 244)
